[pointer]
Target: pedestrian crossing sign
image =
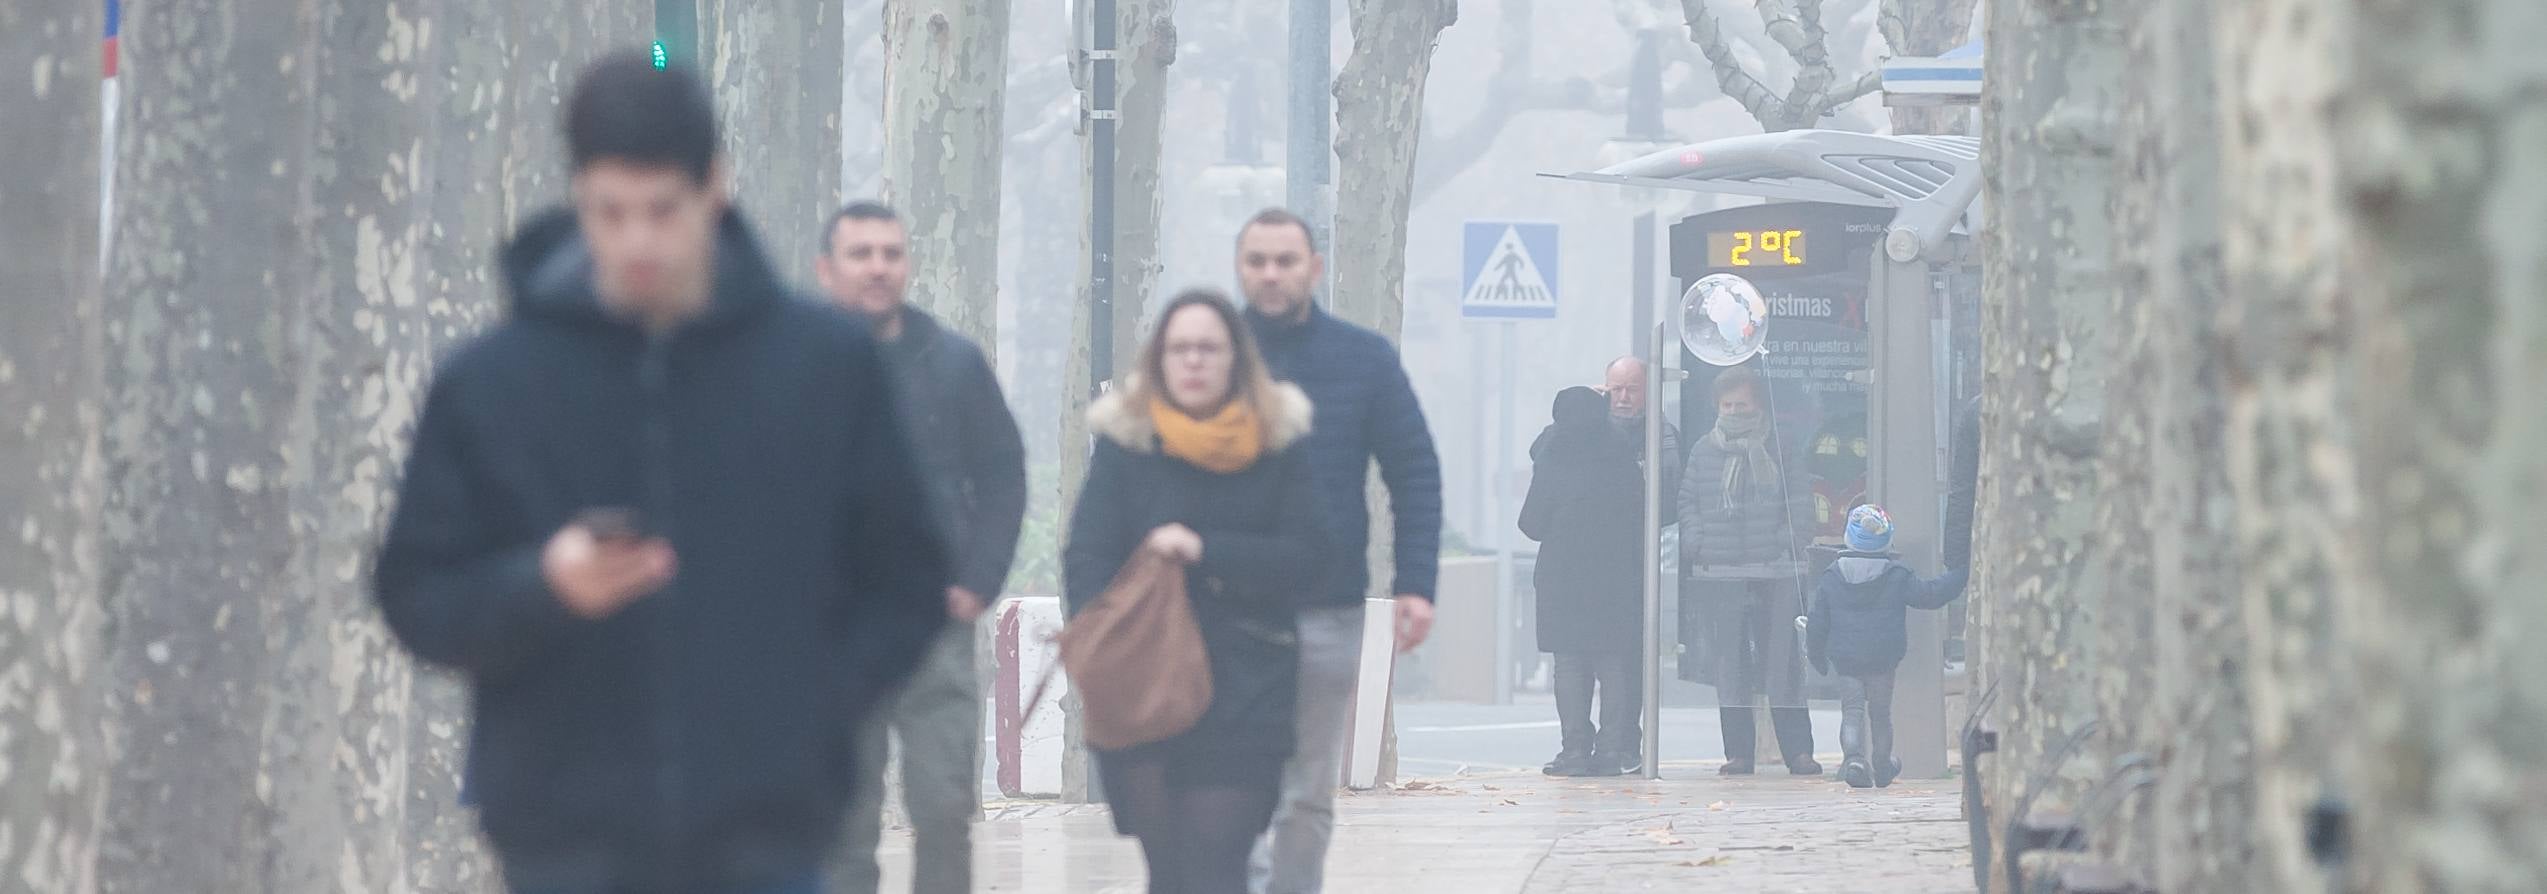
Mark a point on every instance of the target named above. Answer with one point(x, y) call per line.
point(1509, 270)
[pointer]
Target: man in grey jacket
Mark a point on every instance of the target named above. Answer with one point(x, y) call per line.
point(968, 448)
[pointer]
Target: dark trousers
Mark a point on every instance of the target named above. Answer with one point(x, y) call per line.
point(1866, 720)
point(1622, 694)
point(1794, 727)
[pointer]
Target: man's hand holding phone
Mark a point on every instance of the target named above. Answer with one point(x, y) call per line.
point(603, 561)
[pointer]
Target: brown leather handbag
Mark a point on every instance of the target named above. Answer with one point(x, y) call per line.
point(1136, 657)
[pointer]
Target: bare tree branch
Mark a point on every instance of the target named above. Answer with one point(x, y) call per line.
point(1741, 85)
point(1811, 49)
point(1866, 85)
point(1786, 25)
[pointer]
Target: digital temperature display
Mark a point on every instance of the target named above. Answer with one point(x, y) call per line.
point(1755, 248)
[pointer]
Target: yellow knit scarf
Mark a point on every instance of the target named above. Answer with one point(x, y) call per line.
point(1228, 442)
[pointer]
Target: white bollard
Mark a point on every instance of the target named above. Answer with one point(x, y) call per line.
point(1030, 747)
point(1366, 738)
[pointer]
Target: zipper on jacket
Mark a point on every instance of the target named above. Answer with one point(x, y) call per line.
point(654, 463)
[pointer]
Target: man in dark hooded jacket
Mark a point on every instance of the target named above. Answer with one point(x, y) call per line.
point(664, 519)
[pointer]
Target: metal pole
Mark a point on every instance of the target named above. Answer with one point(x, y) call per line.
point(1507, 675)
point(1640, 267)
point(1309, 143)
point(1654, 555)
point(1101, 118)
point(1904, 477)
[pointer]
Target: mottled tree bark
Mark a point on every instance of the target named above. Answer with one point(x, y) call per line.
point(2384, 202)
point(778, 68)
point(351, 361)
point(1379, 105)
point(2039, 583)
point(2169, 683)
point(207, 298)
point(52, 745)
point(946, 64)
point(862, 100)
point(315, 201)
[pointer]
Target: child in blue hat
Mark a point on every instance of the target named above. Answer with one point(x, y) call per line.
point(1859, 627)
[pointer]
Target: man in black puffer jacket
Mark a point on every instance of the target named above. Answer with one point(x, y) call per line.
point(664, 519)
point(1366, 410)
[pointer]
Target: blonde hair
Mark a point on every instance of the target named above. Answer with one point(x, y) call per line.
point(1249, 379)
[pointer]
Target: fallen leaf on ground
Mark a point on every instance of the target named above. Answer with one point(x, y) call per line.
point(1508, 802)
point(1720, 805)
point(1717, 860)
point(1663, 836)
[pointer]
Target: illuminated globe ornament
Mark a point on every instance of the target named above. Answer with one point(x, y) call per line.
point(1723, 319)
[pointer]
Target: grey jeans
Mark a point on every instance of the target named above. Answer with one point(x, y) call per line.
point(1291, 858)
point(1866, 721)
point(938, 720)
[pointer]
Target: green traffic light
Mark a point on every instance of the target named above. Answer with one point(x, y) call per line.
point(662, 57)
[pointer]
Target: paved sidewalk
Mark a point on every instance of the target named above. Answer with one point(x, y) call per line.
point(1525, 833)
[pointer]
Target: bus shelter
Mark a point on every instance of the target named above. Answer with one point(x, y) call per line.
point(1852, 290)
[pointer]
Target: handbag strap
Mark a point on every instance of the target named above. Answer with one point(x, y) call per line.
point(1037, 700)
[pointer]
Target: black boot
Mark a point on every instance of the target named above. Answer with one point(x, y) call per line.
point(1569, 763)
point(1795, 740)
point(1741, 736)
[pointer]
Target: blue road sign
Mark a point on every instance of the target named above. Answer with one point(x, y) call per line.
point(1509, 270)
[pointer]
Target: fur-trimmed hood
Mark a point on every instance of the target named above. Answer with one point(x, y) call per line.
point(1129, 427)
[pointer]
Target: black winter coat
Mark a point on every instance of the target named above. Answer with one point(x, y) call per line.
point(1366, 410)
point(1261, 535)
point(699, 738)
point(967, 440)
point(1586, 508)
point(1859, 622)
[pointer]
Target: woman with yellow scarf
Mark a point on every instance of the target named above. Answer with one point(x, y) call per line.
point(1193, 463)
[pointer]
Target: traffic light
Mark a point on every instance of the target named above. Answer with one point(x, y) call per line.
point(676, 33)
